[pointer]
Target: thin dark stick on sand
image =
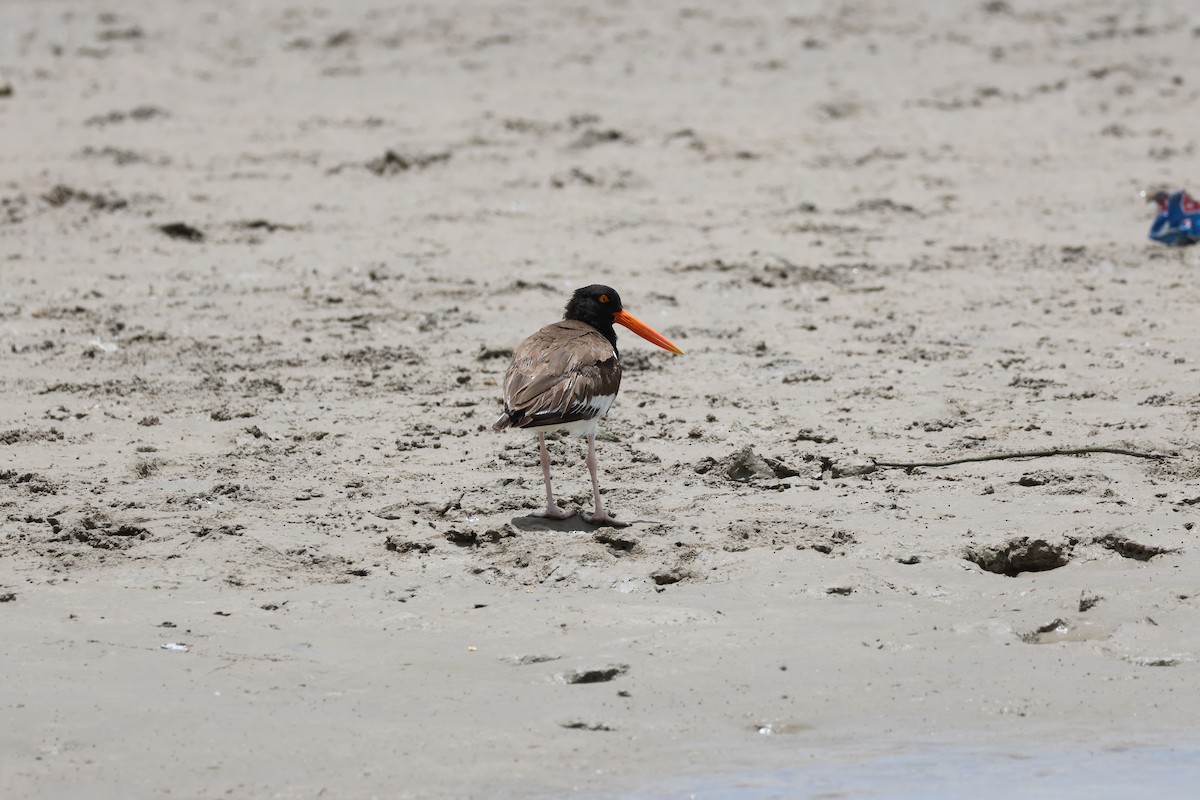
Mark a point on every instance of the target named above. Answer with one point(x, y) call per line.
point(1054, 451)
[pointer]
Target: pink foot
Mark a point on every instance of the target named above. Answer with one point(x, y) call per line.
point(553, 512)
point(603, 518)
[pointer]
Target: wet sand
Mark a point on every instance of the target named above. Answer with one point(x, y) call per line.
point(263, 268)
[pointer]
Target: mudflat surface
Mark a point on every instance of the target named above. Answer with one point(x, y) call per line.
point(263, 266)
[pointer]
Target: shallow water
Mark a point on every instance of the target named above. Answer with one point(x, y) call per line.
point(946, 770)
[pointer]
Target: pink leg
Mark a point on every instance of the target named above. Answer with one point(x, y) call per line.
point(601, 517)
point(552, 511)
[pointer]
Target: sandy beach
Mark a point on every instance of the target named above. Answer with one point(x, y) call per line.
point(264, 265)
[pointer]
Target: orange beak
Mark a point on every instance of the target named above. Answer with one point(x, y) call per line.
point(645, 331)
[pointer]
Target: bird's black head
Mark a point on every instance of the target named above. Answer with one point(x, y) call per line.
point(600, 306)
point(596, 305)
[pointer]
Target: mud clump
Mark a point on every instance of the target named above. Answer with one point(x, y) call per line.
point(393, 163)
point(745, 465)
point(27, 435)
point(399, 545)
point(61, 194)
point(584, 725)
point(181, 230)
point(96, 529)
point(462, 538)
point(31, 482)
point(1044, 477)
point(1019, 555)
point(831, 543)
point(1046, 633)
point(594, 675)
point(1127, 548)
point(666, 577)
point(470, 538)
point(617, 543)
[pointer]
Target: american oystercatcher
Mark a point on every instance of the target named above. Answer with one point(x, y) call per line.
point(565, 378)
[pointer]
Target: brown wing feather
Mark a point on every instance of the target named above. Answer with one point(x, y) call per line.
point(556, 374)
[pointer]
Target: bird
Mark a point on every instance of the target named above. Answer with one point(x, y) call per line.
point(565, 377)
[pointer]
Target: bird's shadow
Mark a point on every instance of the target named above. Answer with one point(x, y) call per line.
point(572, 524)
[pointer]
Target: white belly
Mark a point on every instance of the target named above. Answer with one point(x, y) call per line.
point(600, 404)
